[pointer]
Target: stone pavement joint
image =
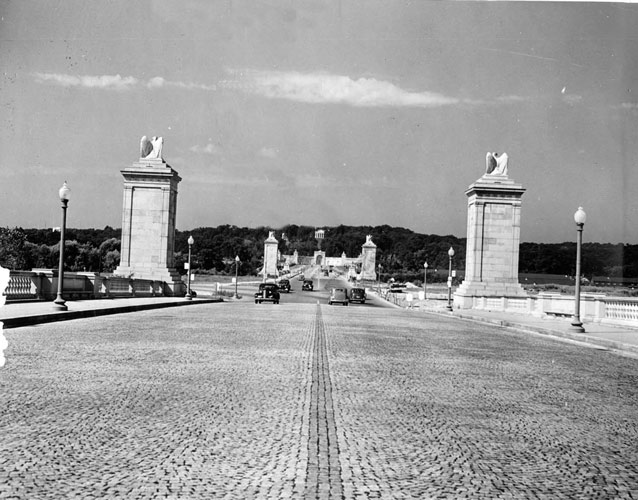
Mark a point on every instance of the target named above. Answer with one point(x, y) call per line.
point(323, 477)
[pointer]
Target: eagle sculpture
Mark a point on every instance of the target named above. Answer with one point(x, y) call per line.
point(151, 148)
point(496, 164)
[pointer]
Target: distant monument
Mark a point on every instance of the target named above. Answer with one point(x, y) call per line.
point(368, 260)
point(493, 235)
point(271, 246)
point(148, 219)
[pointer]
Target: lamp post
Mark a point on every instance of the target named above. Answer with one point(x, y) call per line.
point(450, 253)
point(579, 218)
point(379, 267)
point(59, 301)
point(189, 295)
point(236, 274)
point(425, 280)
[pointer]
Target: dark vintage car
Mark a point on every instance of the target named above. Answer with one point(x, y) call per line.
point(307, 285)
point(284, 285)
point(268, 292)
point(358, 295)
point(338, 296)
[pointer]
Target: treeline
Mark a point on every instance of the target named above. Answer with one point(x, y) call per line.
point(401, 252)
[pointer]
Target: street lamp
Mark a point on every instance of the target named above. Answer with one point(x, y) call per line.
point(379, 278)
point(236, 274)
point(425, 280)
point(65, 194)
point(189, 295)
point(450, 253)
point(579, 218)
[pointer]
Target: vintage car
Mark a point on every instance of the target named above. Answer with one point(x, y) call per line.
point(268, 292)
point(358, 295)
point(284, 285)
point(307, 285)
point(338, 296)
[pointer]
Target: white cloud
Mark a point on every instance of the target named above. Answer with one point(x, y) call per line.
point(159, 82)
point(209, 149)
point(572, 99)
point(116, 82)
point(109, 82)
point(268, 152)
point(326, 88)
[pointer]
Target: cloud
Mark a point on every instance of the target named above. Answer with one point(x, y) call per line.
point(116, 82)
point(159, 82)
point(268, 152)
point(327, 88)
point(572, 99)
point(108, 82)
point(209, 149)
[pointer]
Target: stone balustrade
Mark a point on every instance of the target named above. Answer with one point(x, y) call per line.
point(593, 307)
point(42, 284)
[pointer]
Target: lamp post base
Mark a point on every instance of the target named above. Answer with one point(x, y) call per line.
point(60, 304)
point(188, 296)
point(577, 326)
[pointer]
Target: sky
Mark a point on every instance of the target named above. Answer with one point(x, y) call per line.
point(321, 113)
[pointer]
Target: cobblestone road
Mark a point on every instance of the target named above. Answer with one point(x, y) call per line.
point(305, 401)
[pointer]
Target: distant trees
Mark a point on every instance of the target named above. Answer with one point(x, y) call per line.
point(401, 252)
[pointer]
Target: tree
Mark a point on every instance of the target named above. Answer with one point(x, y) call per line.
point(12, 251)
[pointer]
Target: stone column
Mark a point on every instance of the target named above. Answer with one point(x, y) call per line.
point(493, 238)
point(368, 263)
point(271, 246)
point(148, 224)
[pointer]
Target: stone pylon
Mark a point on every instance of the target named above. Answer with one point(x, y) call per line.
point(493, 238)
point(368, 260)
point(271, 250)
point(148, 224)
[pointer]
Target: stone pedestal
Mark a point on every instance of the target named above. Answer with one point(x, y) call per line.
point(148, 224)
point(271, 246)
point(368, 260)
point(493, 237)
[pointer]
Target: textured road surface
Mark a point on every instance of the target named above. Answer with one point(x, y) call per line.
point(308, 401)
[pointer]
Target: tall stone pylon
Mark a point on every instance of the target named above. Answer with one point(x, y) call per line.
point(368, 260)
point(148, 219)
point(493, 236)
point(271, 247)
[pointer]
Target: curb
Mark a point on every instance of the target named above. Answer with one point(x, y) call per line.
point(52, 317)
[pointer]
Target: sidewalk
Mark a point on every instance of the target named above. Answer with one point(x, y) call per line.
point(18, 314)
point(621, 339)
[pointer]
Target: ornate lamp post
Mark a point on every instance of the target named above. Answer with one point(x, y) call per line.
point(425, 280)
point(236, 274)
point(450, 253)
point(59, 302)
point(579, 218)
point(189, 295)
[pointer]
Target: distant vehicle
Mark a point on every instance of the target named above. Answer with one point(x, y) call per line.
point(268, 292)
point(358, 295)
point(338, 296)
point(307, 285)
point(397, 288)
point(284, 285)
